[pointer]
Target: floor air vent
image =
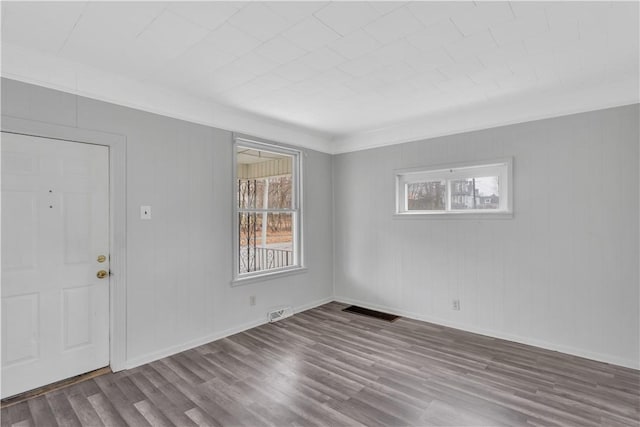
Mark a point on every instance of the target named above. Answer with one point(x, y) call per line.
point(279, 314)
point(371, 313)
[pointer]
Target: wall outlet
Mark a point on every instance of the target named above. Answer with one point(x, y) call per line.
point(456, 305)
point(252, 300)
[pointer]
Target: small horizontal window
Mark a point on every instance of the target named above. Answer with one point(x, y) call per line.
point(462, 189)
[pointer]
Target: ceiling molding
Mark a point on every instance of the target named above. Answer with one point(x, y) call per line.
point(45, 70)
point(478, 117)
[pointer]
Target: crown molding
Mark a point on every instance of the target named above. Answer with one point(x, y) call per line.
point(516, 109)
point(52, 72)
point(46, 70)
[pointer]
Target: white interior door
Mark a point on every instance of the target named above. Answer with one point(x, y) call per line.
point(55, 227)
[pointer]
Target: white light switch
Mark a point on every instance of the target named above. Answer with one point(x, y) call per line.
point(145, 212)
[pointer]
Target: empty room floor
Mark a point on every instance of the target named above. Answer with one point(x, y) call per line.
point(330, 368)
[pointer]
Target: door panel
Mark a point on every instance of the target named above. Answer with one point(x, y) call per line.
point(20, 328)
point(76, 209)
point(19, 243)
point(77, 317)
point(55, 224)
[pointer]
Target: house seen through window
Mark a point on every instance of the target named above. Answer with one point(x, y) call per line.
point(461, 189)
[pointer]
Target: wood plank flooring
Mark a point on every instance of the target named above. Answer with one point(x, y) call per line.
point(324, 367)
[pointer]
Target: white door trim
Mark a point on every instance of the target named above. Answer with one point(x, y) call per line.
point(117, 217)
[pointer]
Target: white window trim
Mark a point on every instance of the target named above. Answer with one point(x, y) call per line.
point(502, 167)
point(297, 197)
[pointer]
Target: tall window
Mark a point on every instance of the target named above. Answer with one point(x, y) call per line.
point(477, 188)
point(267, 182)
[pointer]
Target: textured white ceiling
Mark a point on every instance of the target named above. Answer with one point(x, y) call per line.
point(345, 69)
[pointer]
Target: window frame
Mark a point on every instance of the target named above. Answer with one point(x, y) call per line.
point(296, 210)
point(503, 168)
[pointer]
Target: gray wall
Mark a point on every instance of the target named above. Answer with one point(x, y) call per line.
point(562, 274)
point(179, 263)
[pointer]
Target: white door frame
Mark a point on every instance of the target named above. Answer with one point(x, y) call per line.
point(117, 218)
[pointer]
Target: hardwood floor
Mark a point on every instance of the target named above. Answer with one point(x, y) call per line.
point(329, 368)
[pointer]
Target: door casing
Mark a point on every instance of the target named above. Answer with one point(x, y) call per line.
point(117, 218)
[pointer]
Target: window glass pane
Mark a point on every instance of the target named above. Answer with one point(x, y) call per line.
point(266, 241)
point(426, 196)
point(264, 179)
point(250, 193)
point(280, 192)
point(475, 193)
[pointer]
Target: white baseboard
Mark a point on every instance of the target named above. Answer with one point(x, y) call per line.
point(169, 351)
point(312, 304)
point(606, 358)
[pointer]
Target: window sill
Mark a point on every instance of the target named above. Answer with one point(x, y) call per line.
point(455, 215)
point(239, 281)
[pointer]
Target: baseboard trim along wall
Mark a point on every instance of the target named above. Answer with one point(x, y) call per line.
point(606, 358)
point(148, 358)
point(170, 351)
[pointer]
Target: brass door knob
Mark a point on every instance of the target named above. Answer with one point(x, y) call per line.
point(102, 258)
point(102, 274)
